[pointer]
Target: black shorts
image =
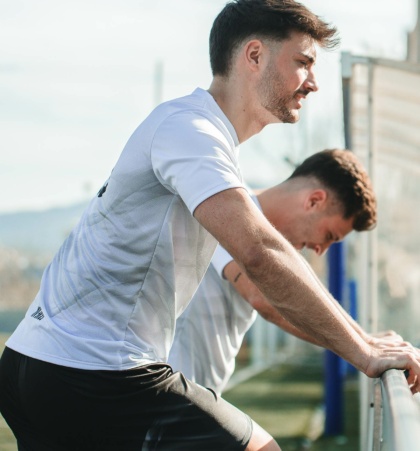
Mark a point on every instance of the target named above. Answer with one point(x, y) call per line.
point(54, 408)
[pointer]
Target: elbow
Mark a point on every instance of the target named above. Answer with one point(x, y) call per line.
point(260, 261)
point(263, 309)
point(256, 300)
point(255, 261)
point(266, 310)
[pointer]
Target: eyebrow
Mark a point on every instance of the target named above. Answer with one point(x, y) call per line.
point(310, 58)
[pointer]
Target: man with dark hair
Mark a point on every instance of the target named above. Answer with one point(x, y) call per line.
point(273, 21)
point(86, 368)
point(325, 198)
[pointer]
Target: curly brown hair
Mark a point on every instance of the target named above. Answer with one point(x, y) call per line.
point(340, 171)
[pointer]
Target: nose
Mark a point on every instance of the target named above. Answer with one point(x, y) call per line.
point(311, 83)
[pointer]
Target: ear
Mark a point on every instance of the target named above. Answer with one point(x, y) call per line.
point(316, 199)
point(253, 51)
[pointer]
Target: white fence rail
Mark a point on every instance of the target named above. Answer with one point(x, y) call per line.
point(396, 418)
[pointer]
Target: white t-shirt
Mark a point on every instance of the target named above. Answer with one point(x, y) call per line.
point(110, 297)
point(211, 330)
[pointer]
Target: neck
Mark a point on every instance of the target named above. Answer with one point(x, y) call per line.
point(238, 106)
point(275, 203)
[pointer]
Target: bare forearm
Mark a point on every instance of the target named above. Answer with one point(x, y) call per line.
point(272, 314)
point(356, 326)
point(290, 287)
point(251, 294)
point(298, 296)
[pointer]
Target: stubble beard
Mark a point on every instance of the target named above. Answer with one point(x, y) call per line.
point(270, 86)
point(281, 112)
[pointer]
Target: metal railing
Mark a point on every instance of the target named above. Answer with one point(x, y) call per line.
point(396, 418)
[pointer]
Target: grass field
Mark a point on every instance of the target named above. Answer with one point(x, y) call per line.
point(285, 400)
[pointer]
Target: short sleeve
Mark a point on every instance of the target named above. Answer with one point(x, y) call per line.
point(194, 158)
point(220, 259)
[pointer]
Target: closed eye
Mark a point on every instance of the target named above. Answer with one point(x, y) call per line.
point(306, 60)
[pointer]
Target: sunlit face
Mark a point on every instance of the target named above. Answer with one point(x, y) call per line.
point(318, 230)
point(288, 77)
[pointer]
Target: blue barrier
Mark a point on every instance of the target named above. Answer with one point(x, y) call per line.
point(334, 389)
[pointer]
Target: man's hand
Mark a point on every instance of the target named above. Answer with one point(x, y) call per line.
point(387, 339)
point(403, 357)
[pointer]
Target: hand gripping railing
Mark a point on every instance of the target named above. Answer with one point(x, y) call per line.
point(397, 414)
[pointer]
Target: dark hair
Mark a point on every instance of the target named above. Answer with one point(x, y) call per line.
point(270, 19)
point(343, 174)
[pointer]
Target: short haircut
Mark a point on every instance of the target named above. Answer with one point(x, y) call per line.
point(269, 19)
point(339, 171)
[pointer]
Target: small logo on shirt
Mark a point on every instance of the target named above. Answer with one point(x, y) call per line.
point(101, 192)
point(39, 314)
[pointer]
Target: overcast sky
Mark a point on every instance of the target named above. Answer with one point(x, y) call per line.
point(77, 76)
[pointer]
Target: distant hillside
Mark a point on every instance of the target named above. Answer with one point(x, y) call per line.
point(38, 231)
